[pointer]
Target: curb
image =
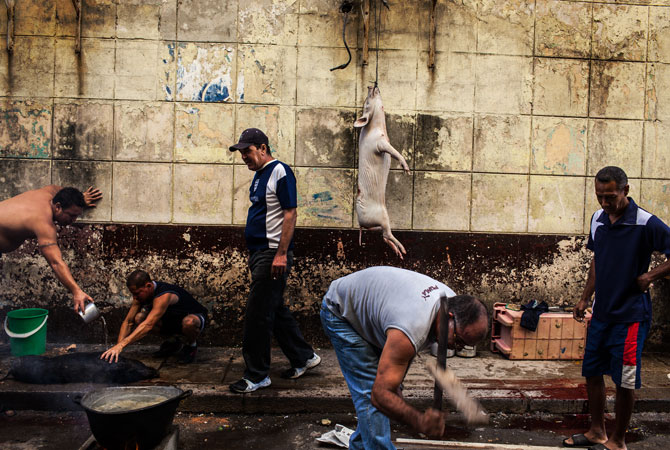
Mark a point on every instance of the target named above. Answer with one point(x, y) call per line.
point(217, 399)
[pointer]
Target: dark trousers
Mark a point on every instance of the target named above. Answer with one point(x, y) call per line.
point(267, 315)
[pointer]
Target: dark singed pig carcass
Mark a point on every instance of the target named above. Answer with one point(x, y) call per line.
point(84, 367)
point(374, 161)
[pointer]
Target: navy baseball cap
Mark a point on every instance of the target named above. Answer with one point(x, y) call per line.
point(250, 136)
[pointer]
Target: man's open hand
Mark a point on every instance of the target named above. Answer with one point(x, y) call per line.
point(112, 355)
point(92, 195)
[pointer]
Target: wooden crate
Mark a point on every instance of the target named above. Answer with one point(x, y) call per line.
point(558, 335)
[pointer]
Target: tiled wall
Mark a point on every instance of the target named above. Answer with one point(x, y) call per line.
point(527, 101)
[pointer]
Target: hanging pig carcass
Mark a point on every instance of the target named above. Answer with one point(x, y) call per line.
point(374, 161)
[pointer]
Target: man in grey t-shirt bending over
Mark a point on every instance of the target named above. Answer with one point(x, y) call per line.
point(377, 320)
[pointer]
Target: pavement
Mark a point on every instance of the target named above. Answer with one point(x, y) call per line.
point(501, 385)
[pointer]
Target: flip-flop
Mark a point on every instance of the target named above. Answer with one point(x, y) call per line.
point(599, 447)
point(579, 440)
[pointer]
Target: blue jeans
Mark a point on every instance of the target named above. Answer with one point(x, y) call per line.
point(358, 362)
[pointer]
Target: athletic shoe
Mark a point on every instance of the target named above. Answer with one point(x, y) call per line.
point(468, 351)
point(188, 353)
point(168, 348)
point(297, 372)
point(243, 386)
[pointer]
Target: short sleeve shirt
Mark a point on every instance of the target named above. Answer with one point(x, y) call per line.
point(622, 253)
point(186, 303)
point(272, 190)
point(376, 299)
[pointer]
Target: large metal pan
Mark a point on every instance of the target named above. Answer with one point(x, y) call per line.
point(142, 415)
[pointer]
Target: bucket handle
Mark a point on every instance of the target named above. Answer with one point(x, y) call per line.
point(24, 335)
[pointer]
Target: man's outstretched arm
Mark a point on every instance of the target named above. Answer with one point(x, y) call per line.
point(129, 321)
point(160, 305)
point(47, 239)
point(397, 354)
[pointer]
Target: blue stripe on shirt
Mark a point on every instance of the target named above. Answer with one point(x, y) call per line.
point(272, 190)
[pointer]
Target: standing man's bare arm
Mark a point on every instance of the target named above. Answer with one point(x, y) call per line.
point(395, 359)
point(644, 281)
point(587, 293)
point(287, 230)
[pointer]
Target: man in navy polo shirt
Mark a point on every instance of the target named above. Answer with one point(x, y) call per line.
point(269, 234)
point(622, 238)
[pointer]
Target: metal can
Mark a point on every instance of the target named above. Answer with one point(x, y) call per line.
point(90, 313)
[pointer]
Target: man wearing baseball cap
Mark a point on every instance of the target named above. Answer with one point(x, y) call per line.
point(269, 235)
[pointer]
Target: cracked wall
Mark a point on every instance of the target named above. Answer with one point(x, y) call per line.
point(527, 101)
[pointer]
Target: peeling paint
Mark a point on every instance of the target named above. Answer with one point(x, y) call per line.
point(212, 264)
point(25, 131)
point(204, 73)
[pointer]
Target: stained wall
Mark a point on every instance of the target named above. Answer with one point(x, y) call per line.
point(527, 100)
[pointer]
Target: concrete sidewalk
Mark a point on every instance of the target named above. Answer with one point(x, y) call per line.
point(500, 384)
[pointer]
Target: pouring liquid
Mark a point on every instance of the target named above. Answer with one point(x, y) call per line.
point(104, 330)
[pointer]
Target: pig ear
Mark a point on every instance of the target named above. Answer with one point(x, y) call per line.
point(361, 122)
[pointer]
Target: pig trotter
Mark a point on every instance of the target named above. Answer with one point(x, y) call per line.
point(384, 146)
point(395, 245)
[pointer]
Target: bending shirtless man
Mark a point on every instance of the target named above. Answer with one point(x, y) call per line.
point(34, 214)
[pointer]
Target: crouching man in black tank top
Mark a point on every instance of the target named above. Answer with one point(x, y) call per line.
point(160, 308)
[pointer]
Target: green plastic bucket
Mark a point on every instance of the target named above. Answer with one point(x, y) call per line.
point(27, 329)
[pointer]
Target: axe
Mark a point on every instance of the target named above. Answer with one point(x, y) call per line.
point(446, 380)
point(458, 394)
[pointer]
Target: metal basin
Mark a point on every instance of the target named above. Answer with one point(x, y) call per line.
point(140, 415)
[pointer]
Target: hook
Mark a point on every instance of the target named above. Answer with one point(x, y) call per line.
point(10, 24)
point(77, 8)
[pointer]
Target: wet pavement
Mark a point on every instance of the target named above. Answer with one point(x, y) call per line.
point(531, 403)
point(39, 430)
point(502, 385)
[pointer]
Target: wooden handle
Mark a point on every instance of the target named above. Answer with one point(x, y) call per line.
point(458, 394)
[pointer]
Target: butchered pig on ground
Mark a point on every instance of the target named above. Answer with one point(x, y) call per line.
point(374, 161)
point(79, 368)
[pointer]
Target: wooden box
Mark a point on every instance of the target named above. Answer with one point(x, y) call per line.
point(558, 335)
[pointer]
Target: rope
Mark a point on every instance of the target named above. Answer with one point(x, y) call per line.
point(378, 13)
point(345, 8)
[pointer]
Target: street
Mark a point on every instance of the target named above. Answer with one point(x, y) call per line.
point(33, 430)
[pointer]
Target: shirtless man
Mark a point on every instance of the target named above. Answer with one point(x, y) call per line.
point(34, 214)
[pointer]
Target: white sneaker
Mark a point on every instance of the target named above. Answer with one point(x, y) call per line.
point(468, 351)
point(243, 385)
point(297, 372)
